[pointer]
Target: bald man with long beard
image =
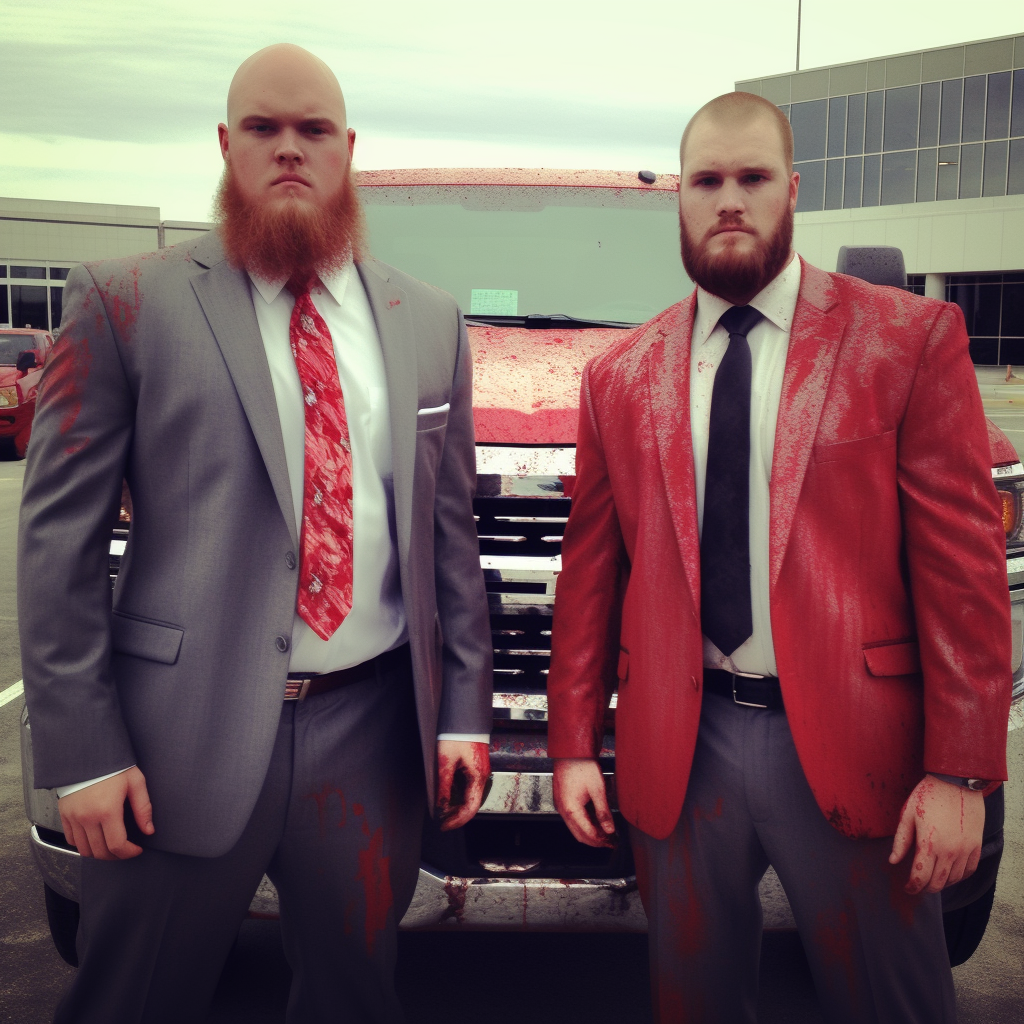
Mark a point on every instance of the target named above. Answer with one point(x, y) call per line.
point(298, 652)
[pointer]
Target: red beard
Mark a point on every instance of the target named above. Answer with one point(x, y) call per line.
point(290, 240)
point(734, 275)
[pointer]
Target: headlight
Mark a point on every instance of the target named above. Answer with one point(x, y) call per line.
point(8, 397)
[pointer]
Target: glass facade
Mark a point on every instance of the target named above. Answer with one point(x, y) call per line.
point(32, 296)
point(958, 139)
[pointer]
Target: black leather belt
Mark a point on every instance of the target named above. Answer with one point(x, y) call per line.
point(750, 691)
point(299, 686)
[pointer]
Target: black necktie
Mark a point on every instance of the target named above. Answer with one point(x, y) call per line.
point(725, 610)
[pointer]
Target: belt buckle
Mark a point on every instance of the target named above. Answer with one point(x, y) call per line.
point(746, 675)
point(297, 688)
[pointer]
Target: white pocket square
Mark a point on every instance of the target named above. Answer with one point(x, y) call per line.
point(437, 408)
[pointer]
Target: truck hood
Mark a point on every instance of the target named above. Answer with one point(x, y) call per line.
point(526, 383)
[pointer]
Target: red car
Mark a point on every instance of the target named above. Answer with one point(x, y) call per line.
point(23, 353)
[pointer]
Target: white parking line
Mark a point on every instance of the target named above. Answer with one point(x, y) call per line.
point(11, 693)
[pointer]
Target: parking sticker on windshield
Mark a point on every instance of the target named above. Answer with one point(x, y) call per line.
point(494, 302)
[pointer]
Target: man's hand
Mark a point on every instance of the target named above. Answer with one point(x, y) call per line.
point(948, 822)
point(93, 818)
point(463, 768)
point(582, 801)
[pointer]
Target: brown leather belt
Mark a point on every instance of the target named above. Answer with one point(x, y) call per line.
point(299, 686)
point(749, 691)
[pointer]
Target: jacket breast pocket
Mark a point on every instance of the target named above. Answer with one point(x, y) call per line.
point(902, 658)
point(144, 638)
point(431, 419)
point(859, 446)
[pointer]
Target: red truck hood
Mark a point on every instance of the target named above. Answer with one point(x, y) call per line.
point(526, 383)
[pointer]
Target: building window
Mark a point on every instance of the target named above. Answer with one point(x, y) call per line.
point(56, 307)
point(993, 308)
point(899, 173)
point(31, 273)
point(812, 185)
point(809, 121)
point(974, 109)
point(852, 182)
point(59, 273)
point(5, 309)
point(834, 185)
point(902, 114)
point(28, 306)
point(855, 126)
point(915, 284)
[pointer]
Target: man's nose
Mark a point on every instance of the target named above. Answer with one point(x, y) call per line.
point(288, 148)
point(731, 199)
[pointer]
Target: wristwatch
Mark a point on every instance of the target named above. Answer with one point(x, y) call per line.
point(974, 785)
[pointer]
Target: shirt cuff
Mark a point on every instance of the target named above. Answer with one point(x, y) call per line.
point(466, 737)
point(63, 791)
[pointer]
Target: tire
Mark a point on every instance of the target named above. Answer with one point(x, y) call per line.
point(62, 917)
point(965, 928)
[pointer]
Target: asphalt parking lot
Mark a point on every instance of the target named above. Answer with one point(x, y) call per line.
point(452, 977)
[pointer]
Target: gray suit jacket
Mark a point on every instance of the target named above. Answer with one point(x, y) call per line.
point(160, 377)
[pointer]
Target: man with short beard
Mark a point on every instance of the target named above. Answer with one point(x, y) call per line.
point(775, 481)
point(298, 650)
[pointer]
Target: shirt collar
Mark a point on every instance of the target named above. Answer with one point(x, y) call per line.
point(334, 284)
point(776, 300)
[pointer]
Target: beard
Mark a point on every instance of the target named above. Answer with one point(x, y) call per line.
point(730, 274)
point(290, 238)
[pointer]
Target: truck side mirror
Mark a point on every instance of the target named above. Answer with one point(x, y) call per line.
point(26, 361)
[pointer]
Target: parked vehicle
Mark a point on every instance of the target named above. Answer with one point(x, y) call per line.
point(23, 353)
point(551, 267)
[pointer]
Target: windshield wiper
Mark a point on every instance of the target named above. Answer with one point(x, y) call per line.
point(543, 321)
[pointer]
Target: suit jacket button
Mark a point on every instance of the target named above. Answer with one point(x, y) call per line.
point(289, 560)
point(281, 643)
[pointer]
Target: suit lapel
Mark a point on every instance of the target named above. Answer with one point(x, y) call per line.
point(224, 294)
point(813, 344)
point(668, 383)
point(397, 342)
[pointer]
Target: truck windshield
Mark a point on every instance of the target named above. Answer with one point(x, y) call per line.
point(590, 253)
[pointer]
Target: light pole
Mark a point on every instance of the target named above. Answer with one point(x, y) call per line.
point(799, 11)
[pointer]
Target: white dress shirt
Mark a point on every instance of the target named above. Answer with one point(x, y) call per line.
point(769, 345)
point(377, 621)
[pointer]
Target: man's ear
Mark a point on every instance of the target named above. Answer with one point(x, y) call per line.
point(794, 188)
point(222, 137)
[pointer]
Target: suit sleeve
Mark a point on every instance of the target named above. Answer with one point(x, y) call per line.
point(588, 602)
point(467, 657)
point(956, 558)
point(76, 462)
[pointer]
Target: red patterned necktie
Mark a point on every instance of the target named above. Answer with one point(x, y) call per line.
point(325, 546)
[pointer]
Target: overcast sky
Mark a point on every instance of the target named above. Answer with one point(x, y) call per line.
point(119, 102)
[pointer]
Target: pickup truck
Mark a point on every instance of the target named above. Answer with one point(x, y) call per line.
point(551, 268)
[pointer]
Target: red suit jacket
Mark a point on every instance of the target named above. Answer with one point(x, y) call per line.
point(889, 603)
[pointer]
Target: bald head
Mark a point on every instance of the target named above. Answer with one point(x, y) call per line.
point(734, 110)
point(285, 69)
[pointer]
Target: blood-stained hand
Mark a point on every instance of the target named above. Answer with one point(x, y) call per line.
point(582, 800)
point(93, 818)
point(463, 768)
point(947, 822)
